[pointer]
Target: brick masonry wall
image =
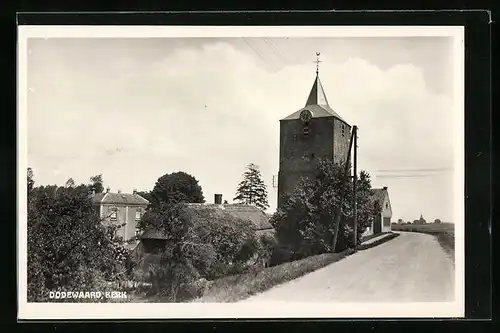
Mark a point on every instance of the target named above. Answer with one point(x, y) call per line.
point(299, 152)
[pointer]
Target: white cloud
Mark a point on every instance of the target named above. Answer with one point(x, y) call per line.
point(211, 111)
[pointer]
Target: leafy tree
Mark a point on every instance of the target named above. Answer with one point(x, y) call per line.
point(400, 221)
point(68, 245)
point(252, 190)
point(176, 187)
point(437, 221)
point(96, 184)
point(304, 223)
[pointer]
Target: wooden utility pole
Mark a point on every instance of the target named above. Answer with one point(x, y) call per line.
point(342, 193)
point(355, 167)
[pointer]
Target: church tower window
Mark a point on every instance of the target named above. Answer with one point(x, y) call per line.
point(306, 130)
point(343, 129)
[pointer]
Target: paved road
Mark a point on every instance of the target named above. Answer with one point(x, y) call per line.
point(412, 267)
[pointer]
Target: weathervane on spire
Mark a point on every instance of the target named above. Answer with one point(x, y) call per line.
point(317, 62)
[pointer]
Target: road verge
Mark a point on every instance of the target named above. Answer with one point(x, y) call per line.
point(238, 287)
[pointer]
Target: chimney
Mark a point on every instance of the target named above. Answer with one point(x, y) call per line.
point(385, 188)
point(135, 192)
point(218, 199)
point(108, 189)
point(119, 191)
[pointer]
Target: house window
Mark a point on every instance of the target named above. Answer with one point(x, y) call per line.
point(295, 138)
point(386, 205)
point(292, 153)
point(137, 214)
point(114, 214)
point(137, 232)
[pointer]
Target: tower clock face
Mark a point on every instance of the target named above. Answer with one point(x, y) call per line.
point(305, 115)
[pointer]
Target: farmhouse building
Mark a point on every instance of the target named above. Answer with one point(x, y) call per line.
point(121, 209)
point(152, 239)
point(381, 222)
point(310, 133)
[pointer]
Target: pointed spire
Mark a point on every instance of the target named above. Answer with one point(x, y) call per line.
point(317, 95)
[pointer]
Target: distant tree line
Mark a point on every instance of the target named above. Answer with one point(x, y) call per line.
point(420, 221)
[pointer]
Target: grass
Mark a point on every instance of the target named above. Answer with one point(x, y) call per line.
point(444, 232)
point(238, 287)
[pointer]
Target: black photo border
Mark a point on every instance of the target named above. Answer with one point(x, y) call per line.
point(478, 146)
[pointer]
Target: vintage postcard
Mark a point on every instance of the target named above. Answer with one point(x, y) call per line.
point(240, 172)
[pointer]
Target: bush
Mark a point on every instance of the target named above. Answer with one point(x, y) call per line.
point(202, 242)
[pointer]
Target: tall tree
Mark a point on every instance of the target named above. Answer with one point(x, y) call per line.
point(96, 184)
point(304, 224)
point(176, 187)
point(252, 190)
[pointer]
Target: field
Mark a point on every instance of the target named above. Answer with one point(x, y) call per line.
point(445, 233)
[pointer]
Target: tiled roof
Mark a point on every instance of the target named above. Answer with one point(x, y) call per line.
point(213, 212)
point(317, 103)
point(119, 199)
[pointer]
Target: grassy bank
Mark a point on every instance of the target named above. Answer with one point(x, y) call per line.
point(444, 232)
point(238, 287)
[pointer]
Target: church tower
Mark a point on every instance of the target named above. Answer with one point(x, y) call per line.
point(313, 132)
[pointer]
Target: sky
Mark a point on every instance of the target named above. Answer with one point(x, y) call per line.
point(136, 109)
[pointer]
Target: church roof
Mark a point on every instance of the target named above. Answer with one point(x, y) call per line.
point(317, 103)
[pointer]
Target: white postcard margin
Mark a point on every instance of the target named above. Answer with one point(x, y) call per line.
point(66, 311)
